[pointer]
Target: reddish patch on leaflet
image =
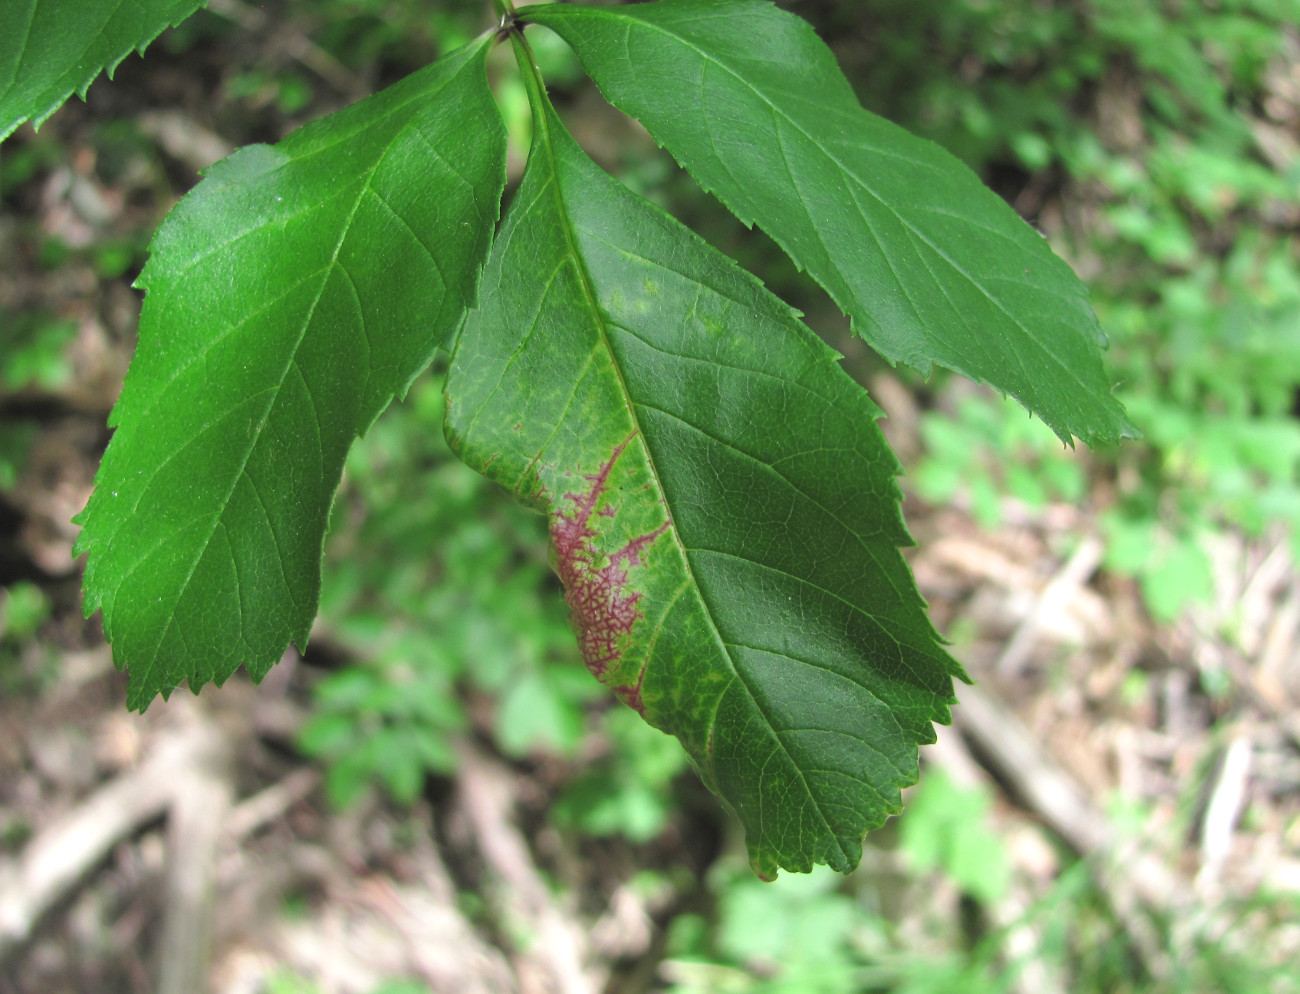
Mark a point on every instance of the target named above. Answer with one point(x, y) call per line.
point(631, 696)
point(602, 610)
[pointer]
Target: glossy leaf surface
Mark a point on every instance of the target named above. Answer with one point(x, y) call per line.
point(722, 506)
point(931, 266)
point(291, 295)
point(50, 49)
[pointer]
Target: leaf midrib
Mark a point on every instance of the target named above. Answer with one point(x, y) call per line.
point(324, 272)
point(588, 291)
point(256, 438)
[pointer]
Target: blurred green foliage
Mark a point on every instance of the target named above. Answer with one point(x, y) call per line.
point(26, 664)
point(288, 982)
point(817, 934)
point(948, 828)
point(15, 440)
point(799, 935)
point(1145, 138)
point(986, 452)
point(33, 347)
point(627, 792)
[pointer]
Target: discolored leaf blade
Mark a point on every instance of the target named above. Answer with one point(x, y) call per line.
point(722, 506)
point(291, 295)
point(931, 266)
point(50, 49)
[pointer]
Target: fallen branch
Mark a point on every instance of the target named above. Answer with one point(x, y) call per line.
point(196, 817)
point(1060, 590)
point(550, 946)
point(65, 851)
point(1046, 789)
point(270, 803)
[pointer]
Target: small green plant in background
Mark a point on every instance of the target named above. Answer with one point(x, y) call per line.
point(628, 792)
point(34, 344)
point(948, 829)
point(722, 507)
point(801, 936)
point(825, 935)
point(15, 442)
point(24, 661)
point(985, 450)
point(289, 982)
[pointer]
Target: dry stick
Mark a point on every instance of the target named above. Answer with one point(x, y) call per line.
point(550, 957)
point(445, 950)
point(1035, 975)
point(183, 138)
point(1059, 590)
point(200, 802)
point(1225, 804)
point(1275, 675)
point(269, 804)
point(66, 850)
point(1050, 792)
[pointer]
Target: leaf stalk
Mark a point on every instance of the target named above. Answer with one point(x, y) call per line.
point(531, 74)
point(506, 10)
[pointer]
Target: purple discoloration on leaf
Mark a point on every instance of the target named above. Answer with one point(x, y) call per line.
point(602, 609)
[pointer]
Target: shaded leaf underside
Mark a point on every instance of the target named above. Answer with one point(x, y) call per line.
point(931, 266)
point(722, 506)
point(291, 295)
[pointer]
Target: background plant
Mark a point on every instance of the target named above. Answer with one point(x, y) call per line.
point(1079, 907)
point(703, 461)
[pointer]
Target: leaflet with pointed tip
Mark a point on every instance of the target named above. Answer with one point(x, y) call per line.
point(291, 296)
point(930, 264)
point(722, 505)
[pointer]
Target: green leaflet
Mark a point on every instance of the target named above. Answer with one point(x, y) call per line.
point(291, 295)
point(931, 266)
point(722, 505)
point(50, 49)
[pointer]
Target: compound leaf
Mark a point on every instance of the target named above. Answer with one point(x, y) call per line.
point(291, 295)
point(931, 265)
point(722, 505)
point(50, 49)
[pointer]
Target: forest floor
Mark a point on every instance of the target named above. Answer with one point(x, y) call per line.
point(192, 847)
point(143, 852)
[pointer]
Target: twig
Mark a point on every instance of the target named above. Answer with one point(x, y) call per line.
point(1059, 590)
point(1275, 676)
point(1221, 811)
point(66, 850)
point(183, 138)
point(1053, 795)
point(196, 816)
point(450, 956)
point(1255, 602)
point(267, 805)
point(550, 946)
